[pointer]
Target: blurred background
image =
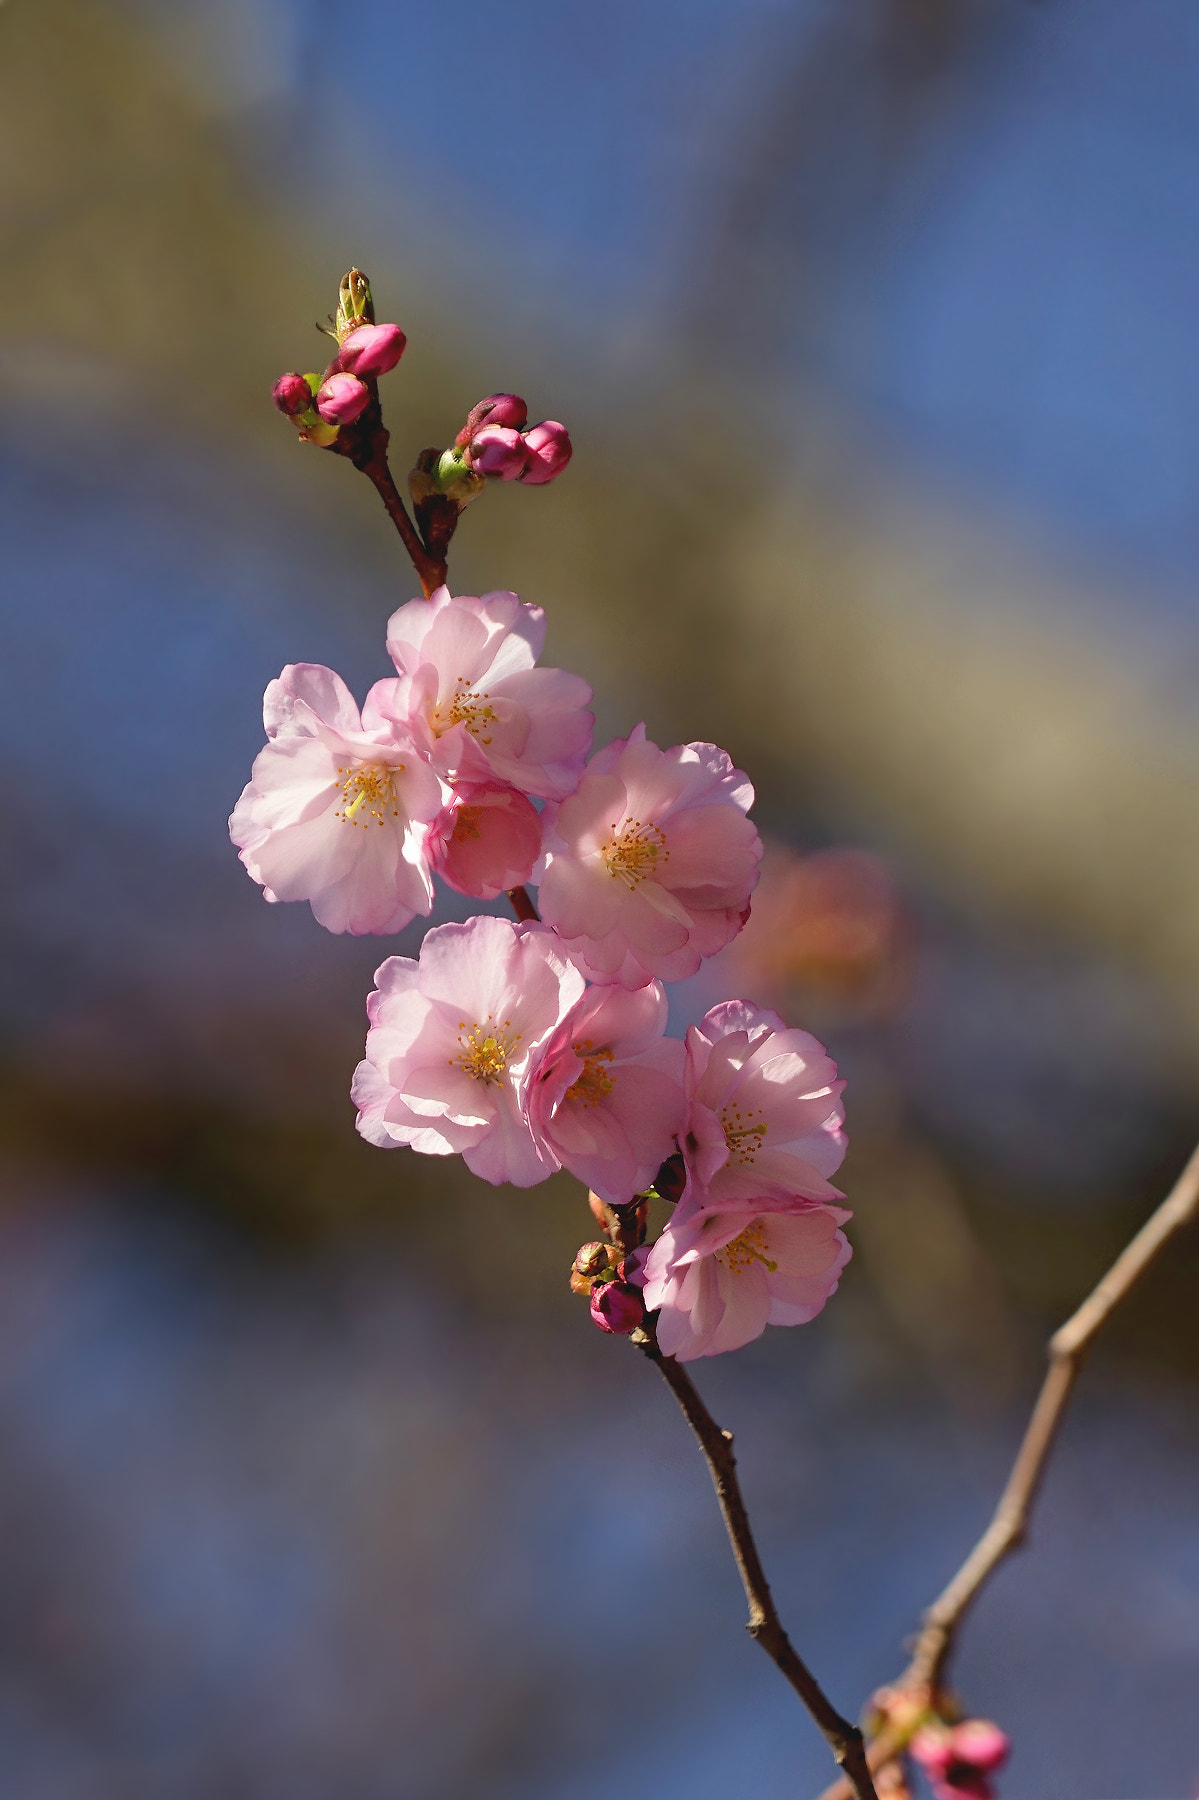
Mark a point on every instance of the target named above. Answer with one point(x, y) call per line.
point(872, 321)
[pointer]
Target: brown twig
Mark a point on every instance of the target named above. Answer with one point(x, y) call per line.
point(431, 569)
point(1009, 1524)
point(522, 905)
point(763, 1625)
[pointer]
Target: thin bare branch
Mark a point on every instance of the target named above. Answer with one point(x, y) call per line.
point(763, 1624)
point(1009, 1524)
point(430, 569)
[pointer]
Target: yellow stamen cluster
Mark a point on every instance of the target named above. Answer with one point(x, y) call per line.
point(466, 825)
point(639, 852)
point(485, 1051)
point(595, 1081)
point(369, 790)
point(750, 1247)
point(467, 708)
point(743, 1133)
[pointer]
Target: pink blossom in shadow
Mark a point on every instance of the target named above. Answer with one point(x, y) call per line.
point(719, 1274)
point(486, 840)
point(650, 865)
point(470, 693)
point(607, 1100)
point(335, 806)
point(764, 1112)
point(453, 1039)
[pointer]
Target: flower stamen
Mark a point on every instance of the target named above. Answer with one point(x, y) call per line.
point(486, 1050)
point(595, 1082)
point(636, 853)
point(370, 785)
point(468, 708)
point(743, 1133)
point(749, 1247)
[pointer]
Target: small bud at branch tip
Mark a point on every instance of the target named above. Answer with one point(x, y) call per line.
point(550, 450)
point(372, 350)
point(292, 394)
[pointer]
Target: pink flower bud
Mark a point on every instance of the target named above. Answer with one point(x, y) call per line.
point(932, 1748)
point(981, 1743)
point(616, 1307)
point(549, 450)
point(497, 409)
point(632, 1269)
point(292, 394)
point(372, 350)
point(341, 399)
point(499, 451)
point(486, 840)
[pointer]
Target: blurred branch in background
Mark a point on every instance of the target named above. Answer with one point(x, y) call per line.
point(1008, 1529)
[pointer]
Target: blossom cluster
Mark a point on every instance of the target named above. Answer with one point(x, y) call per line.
point(534, 1046)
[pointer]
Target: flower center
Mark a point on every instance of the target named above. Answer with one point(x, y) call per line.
point(485, 1051)
point(750, 1247)
point(465, 707)
point(743, 1133)
point(368, 790)
point(466, 825)
point(636, 853)
point(595, 1082)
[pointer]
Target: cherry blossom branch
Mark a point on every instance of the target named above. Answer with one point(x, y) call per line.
point(365, 443)
point(1009, 1524)
point(763, 1624)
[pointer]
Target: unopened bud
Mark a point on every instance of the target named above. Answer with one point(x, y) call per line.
point(341, 399)
point(354, 304)
point(932, 1747)
point(981, 1743)
point(372, 350)
point(292, 394)
point(904, 1709)
point(498, 451)
point(671, 1178)
point(616, 1307)
point(593, 1259)
point(451, 467)
point(632, 1269)
point(497, 409)
point(549, 450)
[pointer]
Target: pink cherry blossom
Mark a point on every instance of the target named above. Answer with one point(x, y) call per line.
point(721, 1273)
point(486, 840)
point(650, 865)
point(334, 805)
point(764, 1112)
point(469, 692)
point(607, 1100)
point(453, 1039)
